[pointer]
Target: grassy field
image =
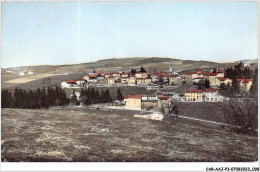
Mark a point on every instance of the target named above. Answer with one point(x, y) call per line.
point(115, 135)
point(202, 110)
point(37, 81)
point(125, 90)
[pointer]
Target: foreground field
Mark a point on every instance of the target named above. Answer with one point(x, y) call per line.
point(115, 135)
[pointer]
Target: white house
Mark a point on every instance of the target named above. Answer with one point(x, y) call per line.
point(211, 94)
point(69, 83)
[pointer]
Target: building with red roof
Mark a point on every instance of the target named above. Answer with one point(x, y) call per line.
point(141, 74)
point(193, 95)
point(222, 80)
point(245, 84)
point(133, 101)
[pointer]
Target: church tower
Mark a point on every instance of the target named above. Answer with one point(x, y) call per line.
point(171, 68)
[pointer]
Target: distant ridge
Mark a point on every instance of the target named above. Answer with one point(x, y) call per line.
point(127, 63)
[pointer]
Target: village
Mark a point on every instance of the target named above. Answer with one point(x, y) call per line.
point(201, 85)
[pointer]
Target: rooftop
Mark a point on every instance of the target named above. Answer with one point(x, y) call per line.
point(194, 91)
point(133, 97)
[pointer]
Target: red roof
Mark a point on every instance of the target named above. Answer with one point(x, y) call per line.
point(80, 79)
point(169, 75)
point(194, 72)
point(160, 73)
point(210, 74)
point(210, 90)
point(107, 73)
point(125, 77)
point(100, 72)
point(159, 93)
point(91, 76)
point(221, 71)
point(115, 72)
point(222, 78)
point(199, 78)
point(143, 78)
point(194, 91)
point(71, 81)
point(133, 97)
point(244, 80)
point(164, 98)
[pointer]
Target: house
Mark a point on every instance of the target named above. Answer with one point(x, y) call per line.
point(143, 81)
point(80, 82)
point(132, 79)
point(211, 77)
point(211, 94)
point(115, 74)
point(173, 79)
point(100, 72)
point(90, 78)
point(222, 80)
point(193, 95)
point(107, 74)
point(30, 72)
point(191, 75)
point(141, 74)
point(69, 83)
point(245, 84)
point(149, 102)
point(198, 79)
point(148, 80)
point(133, 101)
point(159, 94)
point(163, 103)
point(21, 74)
point(125, 79)
point(111, 79)
point(220, 73)
point(140, 81)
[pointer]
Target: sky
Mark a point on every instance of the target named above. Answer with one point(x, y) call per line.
point(35, 33)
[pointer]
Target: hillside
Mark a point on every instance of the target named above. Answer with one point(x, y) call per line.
point(77, 134)
point(122, 64)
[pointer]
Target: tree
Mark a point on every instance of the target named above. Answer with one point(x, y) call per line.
point(142, 69)
point(214, 70)
point(73, 98)
point(94, 71)
point(160, 82)
point(254, 87)
point(240, 114)
point(207, 83)
point(6, 99)
point(235, 87)
point(119, 95)
point(133, 71)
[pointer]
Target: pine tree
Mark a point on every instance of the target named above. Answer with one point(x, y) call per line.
point(133, 71)
point(119, 95)
point(102, 96)
point(6, 99)
point(207, 83)
point(235, 87)
point(142, 69)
